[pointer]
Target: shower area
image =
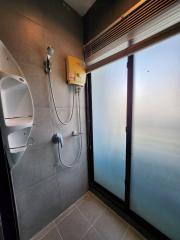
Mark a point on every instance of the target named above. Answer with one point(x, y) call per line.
point(48, 174)
point(90, 120)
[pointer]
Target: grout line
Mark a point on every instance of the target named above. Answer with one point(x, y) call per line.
point(86, 233)
point(23, 191)
point(91, 225)
point(102, 237)
point(54, 223)
point(89, 228)
point(125, 233)
point(82, 214)
point(58, 232)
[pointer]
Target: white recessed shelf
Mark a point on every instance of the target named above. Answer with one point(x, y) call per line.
point(18, 149)
point(14, 124)
point(17, 111)
point(16, 107)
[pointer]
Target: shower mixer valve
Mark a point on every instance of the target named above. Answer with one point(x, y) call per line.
point(58, 139)
point(76, 133)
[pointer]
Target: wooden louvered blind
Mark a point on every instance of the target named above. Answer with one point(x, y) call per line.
point(140, 15)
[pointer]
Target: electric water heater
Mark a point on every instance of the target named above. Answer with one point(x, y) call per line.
point(76, 72)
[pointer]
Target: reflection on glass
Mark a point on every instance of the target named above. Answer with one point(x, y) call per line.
point(155, 188)
point(109, 93)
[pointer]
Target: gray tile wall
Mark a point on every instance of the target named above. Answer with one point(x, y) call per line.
point(42, 188)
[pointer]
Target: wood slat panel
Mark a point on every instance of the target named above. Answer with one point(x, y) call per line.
point(127, 23)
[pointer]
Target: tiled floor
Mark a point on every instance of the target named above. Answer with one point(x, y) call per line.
point(88, 219)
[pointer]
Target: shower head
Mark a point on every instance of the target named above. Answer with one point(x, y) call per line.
point(50, 52)
point(47, 62)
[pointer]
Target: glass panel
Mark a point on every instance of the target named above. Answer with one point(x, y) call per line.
point(155, 188)
point(109, 97)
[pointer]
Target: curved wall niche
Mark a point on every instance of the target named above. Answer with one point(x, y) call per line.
point(16, 107)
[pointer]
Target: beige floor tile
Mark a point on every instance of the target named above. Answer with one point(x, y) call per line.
point(88, 219)
point(52, 235)
point(111, 226)
point(74, 226)
point(92, 234)
point(91, 207)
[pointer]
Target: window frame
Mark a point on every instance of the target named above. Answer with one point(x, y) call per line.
point(120, 206)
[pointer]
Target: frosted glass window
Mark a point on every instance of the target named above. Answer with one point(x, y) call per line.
point(155, 179)
point(109, 97)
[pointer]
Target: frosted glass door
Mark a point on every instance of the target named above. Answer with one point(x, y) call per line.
point(155, 179)
point(109, 97)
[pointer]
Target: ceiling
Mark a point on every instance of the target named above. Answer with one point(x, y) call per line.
point(81, 6)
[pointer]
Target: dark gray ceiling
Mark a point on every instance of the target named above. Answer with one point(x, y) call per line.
point(81, 6)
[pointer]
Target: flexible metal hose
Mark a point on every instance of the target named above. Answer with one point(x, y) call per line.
point(65, 123)
point(54, 103)
point(80, 141)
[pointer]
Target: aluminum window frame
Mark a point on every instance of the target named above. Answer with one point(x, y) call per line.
point(120, 206)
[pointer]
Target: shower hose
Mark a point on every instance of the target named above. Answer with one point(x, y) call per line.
point(59, 145)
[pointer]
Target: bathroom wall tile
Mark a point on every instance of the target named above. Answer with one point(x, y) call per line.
point(58, 60)
point(31, 9)
point(111, 226)
point(62, 42)
point(41, 114)
point(55, 16)
point(69, 152)
point(42, 131)
point(72, 143)
point(23, 38)
point(61, 19)
point(71, 188)
point(38, 83)
point(38, 206)
point(42, 188)
point(63, 92)
point(36, 165)
point(73, 182)
point(82, 97)
point(74, 226)
point(64, 115)
point(64, 214)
